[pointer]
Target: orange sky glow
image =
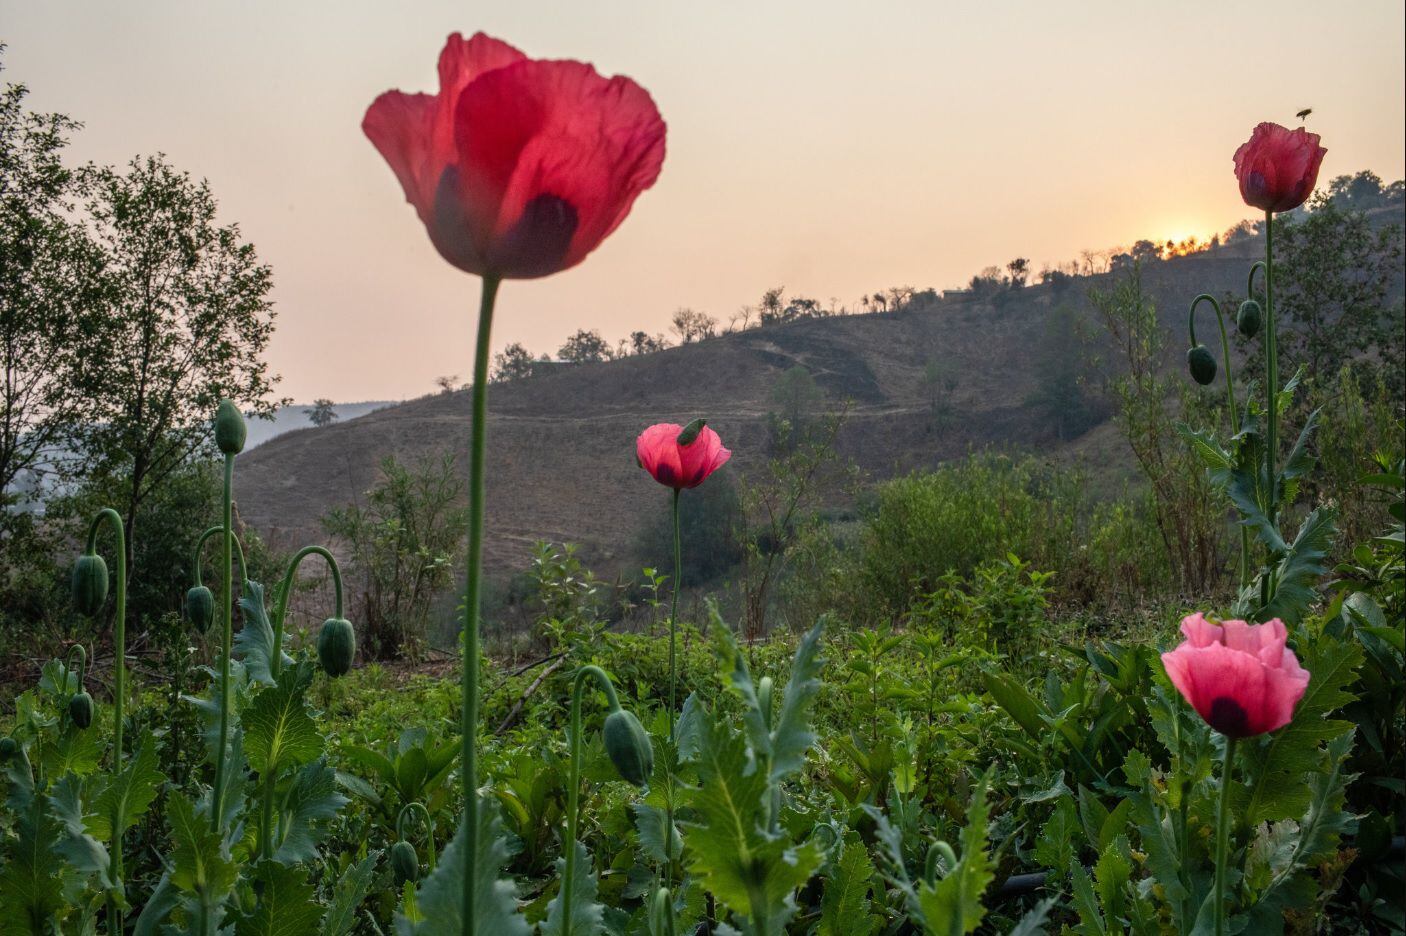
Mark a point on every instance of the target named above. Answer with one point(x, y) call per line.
point(827, 147)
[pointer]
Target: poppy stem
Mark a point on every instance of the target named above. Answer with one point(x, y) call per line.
point(1223, 835)
point(119, 685)
point(1271, 355)
point(573, 784)
point(673, 695)
point(217, 796)
point(469, 714)
point(285, 594)
point(674, 617)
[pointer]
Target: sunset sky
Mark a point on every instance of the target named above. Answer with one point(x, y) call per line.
point(830, 147)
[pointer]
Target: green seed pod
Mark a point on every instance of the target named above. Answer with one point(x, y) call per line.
point(230, 430)
point(629, 747)
point(9, 747)
point(690, 432)
point(336, 646)
point(89, 584)
point(200, 607)
point(405, 863)
point(1202, 365)
point(80, 709)
point(1249, 318)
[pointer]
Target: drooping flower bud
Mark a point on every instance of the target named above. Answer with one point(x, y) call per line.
point(1248, 319)
point(629, 747)
point(230, 430)
point(1201, 364)
point(9, 747)
point(200, 607)
point(80, 709)
point(405, 863)
point(89, 584)
point(336, 646)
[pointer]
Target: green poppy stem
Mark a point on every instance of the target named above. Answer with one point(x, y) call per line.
point(673, 688)
point(285, 593)
point(200, 545)
point(217, 797)
point(1223, 835)
point(119, 681)
point(1230, 405)
point(469, 714)
point(573, 783)
point(1271, 355)
point(408, 810)
point(674, 617)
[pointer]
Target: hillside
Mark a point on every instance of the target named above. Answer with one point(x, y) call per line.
point(561, 445)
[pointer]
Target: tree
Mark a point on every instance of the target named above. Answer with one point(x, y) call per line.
point(798, 399)
point(1333, 276)
point(447, 383)
point(584, 347)
point(987, 282)
point(403, 544)
point(779, 502)
point(771, 304)
point(939, 383)
point(642, 342)
point(1019, 271)
point(693, 326)
point(512, 363)
point(51, 308)
point(321, 413)
point(1061, 394)
point(1188, 518)
point(188, 320)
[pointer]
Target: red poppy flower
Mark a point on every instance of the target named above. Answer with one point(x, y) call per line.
point(1241, 678)
point(518, 167)
point(679, 466)
point(1278, 167)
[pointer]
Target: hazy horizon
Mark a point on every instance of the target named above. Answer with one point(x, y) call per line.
point(816, 147)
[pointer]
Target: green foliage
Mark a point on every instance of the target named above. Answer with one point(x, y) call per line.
point(437, 908)
point(404, 540)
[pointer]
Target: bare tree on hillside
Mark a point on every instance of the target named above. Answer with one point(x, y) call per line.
point(691, 325)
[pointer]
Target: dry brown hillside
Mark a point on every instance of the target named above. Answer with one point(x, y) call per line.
point(561, 445)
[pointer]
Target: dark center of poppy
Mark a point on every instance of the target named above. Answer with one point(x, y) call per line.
point(538, 243)
point(1229, 718)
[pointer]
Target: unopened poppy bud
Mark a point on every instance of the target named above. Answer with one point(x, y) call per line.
point(1201, 364)
point(405, 863)
point(80, 709)
point(89, 584)
point(336, 646)
point(629, 747)
point(1248, 319)
point(200, 607)
point(691, 431)
point(9, 747)
point(230, 430)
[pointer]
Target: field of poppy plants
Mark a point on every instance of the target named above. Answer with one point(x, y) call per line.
point(925, 776)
